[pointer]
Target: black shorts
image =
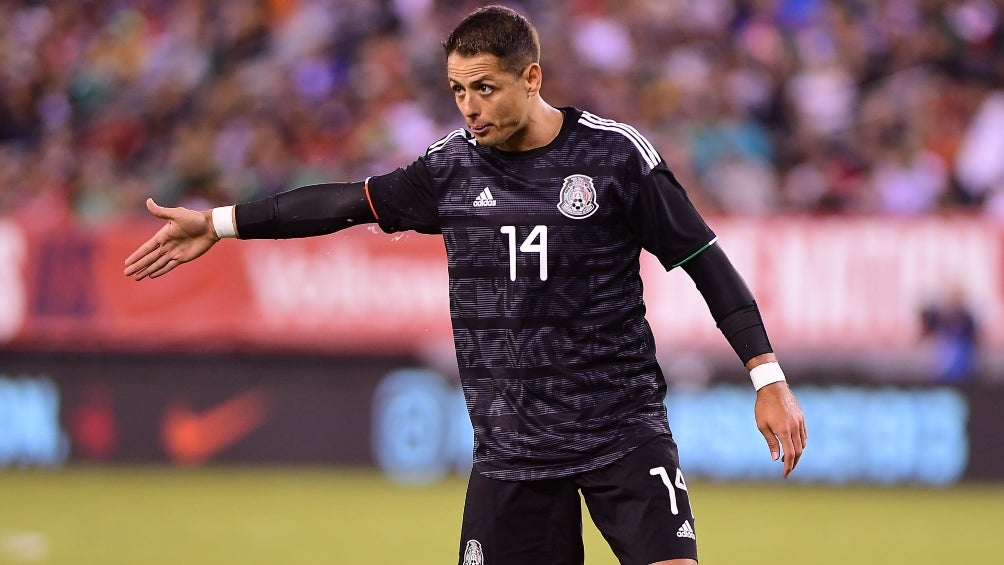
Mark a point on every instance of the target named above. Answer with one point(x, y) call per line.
point(639, 503)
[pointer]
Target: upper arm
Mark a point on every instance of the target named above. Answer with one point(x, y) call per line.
point(405, 199)
point(665, 221)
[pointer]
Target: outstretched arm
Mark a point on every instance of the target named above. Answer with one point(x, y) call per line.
point(778, 416)
point(302, 212)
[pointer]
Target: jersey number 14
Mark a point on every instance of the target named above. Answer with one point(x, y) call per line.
point(536, 242)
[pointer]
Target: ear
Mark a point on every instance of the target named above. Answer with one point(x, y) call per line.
point(532, 76)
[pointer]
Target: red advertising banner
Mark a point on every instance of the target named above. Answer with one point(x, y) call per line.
point(825, 286)
point(835, 285)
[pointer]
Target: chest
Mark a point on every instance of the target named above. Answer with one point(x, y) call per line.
point(530, 193)
point(533, 222)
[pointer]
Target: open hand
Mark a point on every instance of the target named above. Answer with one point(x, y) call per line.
point(187, 235)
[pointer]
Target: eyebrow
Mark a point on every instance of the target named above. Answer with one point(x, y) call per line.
point(478, 79)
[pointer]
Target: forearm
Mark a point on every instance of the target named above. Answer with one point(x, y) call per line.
point(732, 305)
point(760, 360)
point(303, 212)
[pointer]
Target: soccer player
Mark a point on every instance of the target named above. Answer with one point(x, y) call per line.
point(544, 212)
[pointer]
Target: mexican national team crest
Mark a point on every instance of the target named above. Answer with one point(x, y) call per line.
point(473, 554)
point(578, 197)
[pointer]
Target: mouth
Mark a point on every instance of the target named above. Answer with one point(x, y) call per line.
point(480, 130)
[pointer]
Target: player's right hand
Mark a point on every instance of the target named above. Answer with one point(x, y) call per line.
point(187, 235)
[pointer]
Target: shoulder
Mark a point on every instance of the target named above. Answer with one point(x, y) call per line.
point(621, 134)
point(457, 140)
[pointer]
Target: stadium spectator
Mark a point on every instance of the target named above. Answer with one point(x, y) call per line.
point(215, 101)
point(949, 327)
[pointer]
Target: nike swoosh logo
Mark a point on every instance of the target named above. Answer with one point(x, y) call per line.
point(191, 438)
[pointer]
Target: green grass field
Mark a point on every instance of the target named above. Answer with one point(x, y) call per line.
point(315, 515)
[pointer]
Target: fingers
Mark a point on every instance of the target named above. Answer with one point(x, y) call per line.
point(142, 257)
point(167, 268)
point(152, 256)
point(772, 444)
point(146, 265)
point(794, 444)
point(791, 454)
point(138, 264)
point(160, 261)
point(159, 264)
point(788, 439)
point(147, 253)
point(160, 211)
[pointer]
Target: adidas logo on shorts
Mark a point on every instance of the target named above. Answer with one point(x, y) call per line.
point(686, 531)
point(484, 199)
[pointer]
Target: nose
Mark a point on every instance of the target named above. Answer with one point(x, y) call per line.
point(469, 107)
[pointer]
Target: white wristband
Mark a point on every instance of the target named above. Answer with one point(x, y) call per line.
point(223, 221)
point(765, 374)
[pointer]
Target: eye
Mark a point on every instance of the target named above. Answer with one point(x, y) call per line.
point(457, 89)
point(485, 89)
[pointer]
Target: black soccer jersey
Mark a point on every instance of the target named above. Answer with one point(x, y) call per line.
point(556, 359)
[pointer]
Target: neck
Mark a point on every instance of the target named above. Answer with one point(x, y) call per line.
point(543, 125)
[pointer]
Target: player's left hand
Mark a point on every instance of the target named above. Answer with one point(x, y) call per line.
point(780, 420)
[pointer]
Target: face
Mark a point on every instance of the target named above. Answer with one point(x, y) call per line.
point(495, 102)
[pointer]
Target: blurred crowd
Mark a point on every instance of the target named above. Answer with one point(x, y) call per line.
point(891, 107)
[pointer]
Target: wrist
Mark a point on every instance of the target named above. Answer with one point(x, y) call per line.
point(765, 374)
point(223, 222)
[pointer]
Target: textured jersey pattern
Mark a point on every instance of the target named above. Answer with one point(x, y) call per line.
point(560, 375)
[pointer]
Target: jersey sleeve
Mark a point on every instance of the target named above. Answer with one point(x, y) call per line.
point(405, 200)
point(665, 221)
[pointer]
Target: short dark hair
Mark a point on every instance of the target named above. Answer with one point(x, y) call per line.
point(499, 31)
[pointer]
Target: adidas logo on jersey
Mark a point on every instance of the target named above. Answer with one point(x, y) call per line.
point(686, 531)
point(484, 199)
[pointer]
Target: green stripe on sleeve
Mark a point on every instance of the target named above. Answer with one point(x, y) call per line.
point(696, 253)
